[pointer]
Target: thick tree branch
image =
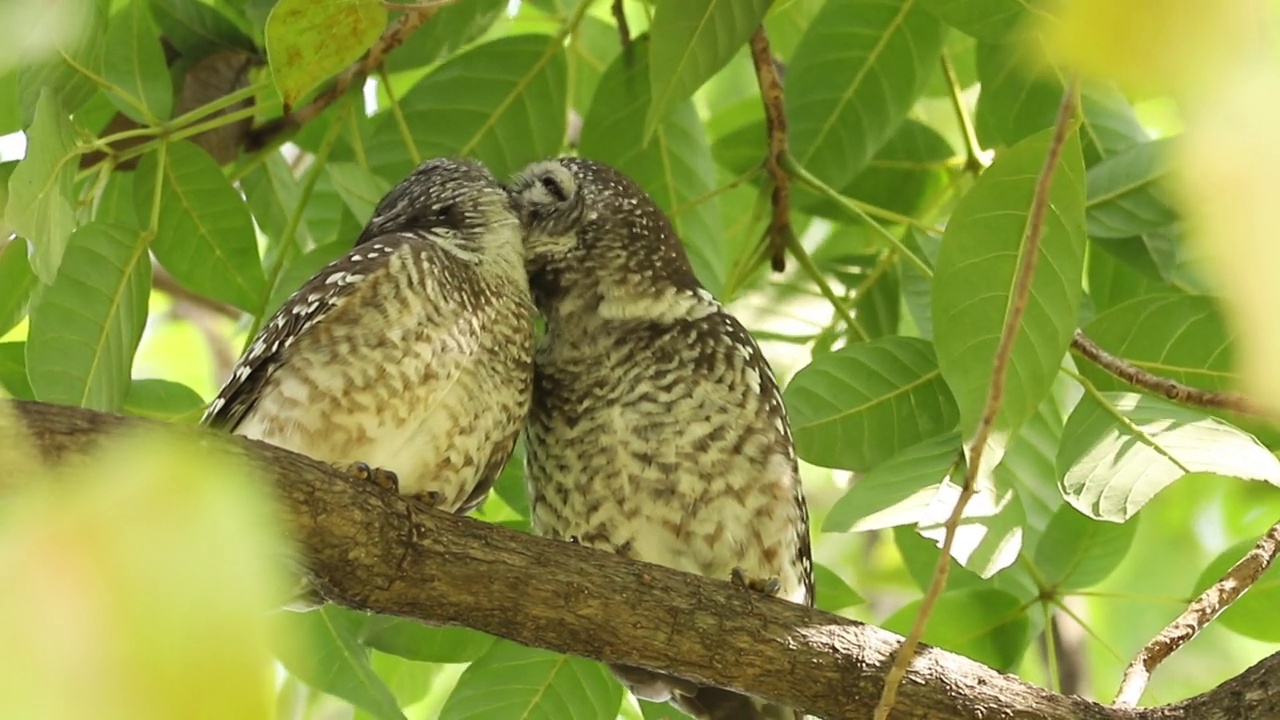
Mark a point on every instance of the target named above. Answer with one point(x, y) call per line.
point(368, 551)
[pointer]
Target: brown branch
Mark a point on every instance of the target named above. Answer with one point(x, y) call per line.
point(368, 551)
point(624, 30)
point(1020, 294)
point(1167, 387)
point(1201, 612)
point(354, 76)
point(775, 115)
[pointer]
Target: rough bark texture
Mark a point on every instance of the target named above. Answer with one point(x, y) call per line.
point(370, 552)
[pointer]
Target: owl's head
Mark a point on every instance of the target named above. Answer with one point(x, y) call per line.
point(450, 201)
point(589, 228)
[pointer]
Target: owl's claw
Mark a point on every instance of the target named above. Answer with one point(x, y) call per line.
point(767, 586)
point(427, 501)
point(383, 478)
point(575, 540)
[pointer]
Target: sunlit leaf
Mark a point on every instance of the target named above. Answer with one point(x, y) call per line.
point(452, 28)
point(1119, 450)
point(514, 681)
point(135, 68)
point(310, 40)
point(40, 201)
point(858, 406)
point(1077, 552)
point(899, 490)
point(204, 235)
point(990, 626)
point(975, 277)
point(87, 325)
point(63, 74)
point(858, 70)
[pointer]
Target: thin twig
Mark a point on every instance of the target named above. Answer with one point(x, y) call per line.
point(775, 116)
point(1166, 387)
point(976, 159)
point(1201, 612)
point(1018, 304)
point(624, 30)
point(413, 18)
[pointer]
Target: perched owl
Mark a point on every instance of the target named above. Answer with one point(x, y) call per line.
point(409, 358)
point(657, 430)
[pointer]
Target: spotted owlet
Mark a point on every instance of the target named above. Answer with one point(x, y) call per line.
point(409, 358)
point(657, 430)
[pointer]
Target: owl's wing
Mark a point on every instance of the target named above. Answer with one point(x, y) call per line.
point(315, 299)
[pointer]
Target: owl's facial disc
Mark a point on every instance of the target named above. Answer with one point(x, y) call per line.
point(550, 206)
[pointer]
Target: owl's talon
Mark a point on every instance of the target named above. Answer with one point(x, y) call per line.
point(383, 478)
point(575, 540)
point(766, 586)
point(427, 501)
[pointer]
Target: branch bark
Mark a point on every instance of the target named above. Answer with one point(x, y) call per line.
point(369, 551)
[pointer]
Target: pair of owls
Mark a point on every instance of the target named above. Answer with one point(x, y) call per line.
point(653, 425)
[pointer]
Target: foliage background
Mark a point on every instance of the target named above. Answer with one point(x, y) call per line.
point(154, 235)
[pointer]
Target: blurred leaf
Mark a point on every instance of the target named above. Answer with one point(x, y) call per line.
point(989, 19)
point(198, 29)
point(16, 283)
point(322, 649)
point(832, 593)
point(660, 711)
point(40, 206)
point(10, 106)
point(424, 643)
point(1183, 337)
point(898, 491)
point(858, 70)
point(13, 370)
point(787, 22)
point(1254, 614)
point(87, 325)
point(976, 272)
point(990, 626)
point(163, 400)
point(860, 405)
point(510, 484)
point(592, 49)
point(1120, 449)
point(514, 681)
point(675, 168)
point(358, 187)
point(453, 27)
point(692, 40)
point(59, 74)
point(272, 193)
point(1077, 552)
point(205, 235)
point(879, 301)
point(308, 41)
point(409, 681)
point(134, 68)
point(1125, 196)
point(502, 103)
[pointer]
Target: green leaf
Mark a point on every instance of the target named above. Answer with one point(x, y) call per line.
point(198, 29)
point(453, 27)
point(204, 236)
point(416, 641)
point(787, 22)
point(976, 271)
point(1254, 614)
point(514, 681)
point(898, 491)
point(135, 69)
point(1183, 337)
point(10, 107)
point(1077, 552)
point(858, 70)
point(502, 102)
point(591, 50)
point(272, 193)
point(87, 325)
point(13, 371)
point(990, 626)
point(690, 41)
point(41, 207)
point(59, 74)
point(1119, 450)
point(321, 649)
point(16, 284)
point(989, 19)
point(358, 187)
point(164, 400)
point(1029, 461)
point(1112, 282)
point(1125, 195)
point(675, 167)
point(309, 41)
point(832, 593)
point(859, 406)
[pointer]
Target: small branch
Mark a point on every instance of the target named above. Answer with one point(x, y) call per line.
point(368, 550)
point(624, 30)
point(413, 18)
point(1021, 293)
point(976, 159)
point(1166, 387)
point(775, 115)
point(1201, 612)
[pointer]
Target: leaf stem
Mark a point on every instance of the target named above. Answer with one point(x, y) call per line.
point(398, 114)
point(976, 159)
point(837, 303)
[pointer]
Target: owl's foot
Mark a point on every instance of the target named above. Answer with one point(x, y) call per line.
point(767, 586)
point(575, 540)
point(383, 478)
point(426, 501)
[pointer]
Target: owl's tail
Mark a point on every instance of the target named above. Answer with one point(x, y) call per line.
point(700, 702)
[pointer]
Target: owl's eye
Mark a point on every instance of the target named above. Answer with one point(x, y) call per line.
point(553, 188)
